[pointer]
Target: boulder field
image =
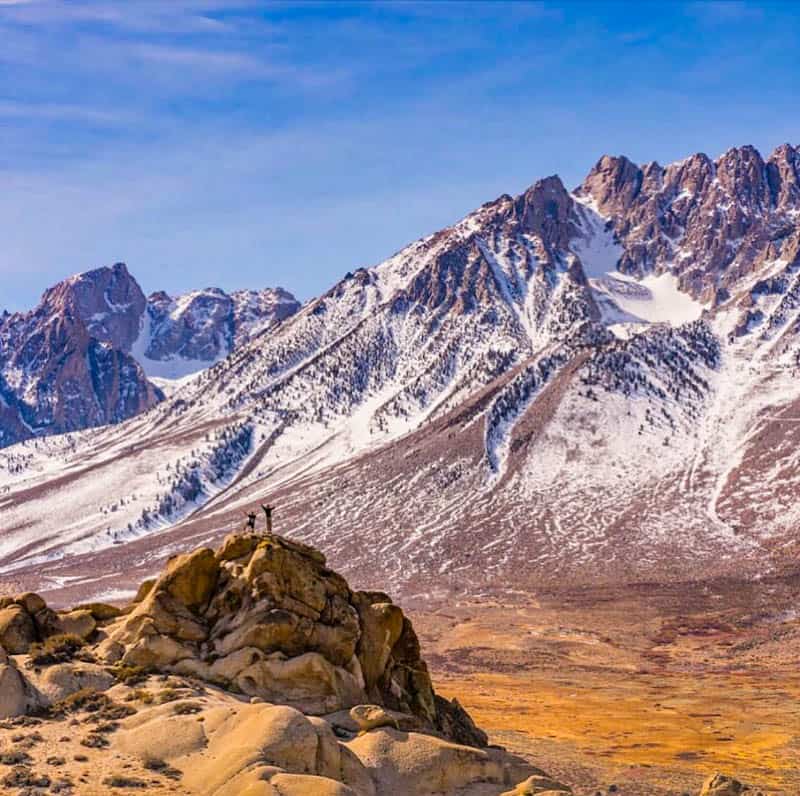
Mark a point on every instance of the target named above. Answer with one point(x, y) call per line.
point(251, 670)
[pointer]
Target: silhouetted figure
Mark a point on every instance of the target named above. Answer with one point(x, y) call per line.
point(251, 520)
point(268, 514)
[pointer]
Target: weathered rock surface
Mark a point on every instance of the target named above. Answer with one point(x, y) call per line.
point(13, 693)
point(26, 619)
point(370, 717)
point(17, 631)
point(227, 748)
point(253, 669)
point(266, 617)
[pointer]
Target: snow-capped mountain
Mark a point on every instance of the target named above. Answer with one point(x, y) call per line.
point(63, 366)
point(83, 356)
point(561, 387)
point(181, 336)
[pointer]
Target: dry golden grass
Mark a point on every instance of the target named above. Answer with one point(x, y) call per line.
point(650, 692)
point(734, 723)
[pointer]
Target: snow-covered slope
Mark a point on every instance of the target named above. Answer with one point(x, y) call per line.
point(561, 387)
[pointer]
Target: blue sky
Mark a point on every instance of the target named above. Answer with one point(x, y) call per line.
point(241, 143)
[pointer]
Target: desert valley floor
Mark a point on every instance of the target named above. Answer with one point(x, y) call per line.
point(647, 688)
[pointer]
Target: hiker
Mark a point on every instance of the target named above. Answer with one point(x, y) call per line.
point(251, 520)
point(268, 514)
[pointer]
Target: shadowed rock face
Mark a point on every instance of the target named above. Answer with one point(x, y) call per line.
point(250, 669)
point(63, 366)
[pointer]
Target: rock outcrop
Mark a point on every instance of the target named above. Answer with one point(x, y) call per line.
point(26, 619)
point(265, 617)
point(250, 669)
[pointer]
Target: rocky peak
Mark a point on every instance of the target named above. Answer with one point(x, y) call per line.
point(690, 177)
point(107, 300)
point(256, 310)
point(652, 177)
point(708, 222)
point(783, 173)
point(546, 210)
point(741, 172)
point(60, 367)
point(613, 184)
point(205, 325)
point(195, 326)
point(82, 356)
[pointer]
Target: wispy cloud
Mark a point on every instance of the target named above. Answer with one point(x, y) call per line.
point(64, 112)
point(214, 60)
point(175, 16)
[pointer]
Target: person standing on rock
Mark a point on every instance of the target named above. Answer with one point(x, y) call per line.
point(268, 514)
point(251, 520)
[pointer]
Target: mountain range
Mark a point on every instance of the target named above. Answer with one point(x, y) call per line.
point(96, 351)
point(564, 387)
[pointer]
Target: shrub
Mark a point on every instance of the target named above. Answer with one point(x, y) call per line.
point(88, 700)
point(131, 675)
point(163, 768)
point(118, 781)
point(56, 649)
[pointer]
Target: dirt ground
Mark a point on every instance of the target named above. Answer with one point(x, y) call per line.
point(647, 688)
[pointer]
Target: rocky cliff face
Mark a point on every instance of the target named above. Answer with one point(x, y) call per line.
point(63, 365)
point(199, 328)
point(83, 356)
point(709, 222)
